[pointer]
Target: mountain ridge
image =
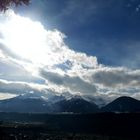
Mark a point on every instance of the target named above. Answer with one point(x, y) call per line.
point(60, 104)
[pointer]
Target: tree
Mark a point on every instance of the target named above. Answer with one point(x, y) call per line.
point(5, 4)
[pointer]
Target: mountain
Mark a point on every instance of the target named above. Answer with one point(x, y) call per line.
point(76, 105)
point(24, 105)
point(69, 104)
point(55, 104)
point(122, 104)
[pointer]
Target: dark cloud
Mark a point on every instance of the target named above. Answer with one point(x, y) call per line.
point(117, 77)
point(75, 84)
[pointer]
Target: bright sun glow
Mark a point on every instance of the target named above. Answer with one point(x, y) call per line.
point(28, 39)
point(24, 37)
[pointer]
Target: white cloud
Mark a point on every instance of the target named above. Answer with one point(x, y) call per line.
point(10, 70)
point(30, 40)
point(30, 49)
point(4, 96)
point(19, 87)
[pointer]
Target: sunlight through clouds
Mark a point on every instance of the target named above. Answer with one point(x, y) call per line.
point(26, 38)
point(30, 40)
point(40, 56)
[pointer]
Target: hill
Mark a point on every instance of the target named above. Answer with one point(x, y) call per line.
point(122, 104)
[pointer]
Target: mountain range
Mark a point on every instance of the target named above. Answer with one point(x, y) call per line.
point(60, 104)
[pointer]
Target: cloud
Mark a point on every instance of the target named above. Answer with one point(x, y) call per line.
point(7, 52)
point(117, 77)
point(4, 96)
point(53, 66)
point(19, 88)
point(41, 47)
point(30, 40)
point(12, 71)
point(73, 84)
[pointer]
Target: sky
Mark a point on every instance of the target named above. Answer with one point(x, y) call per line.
point(84, 47)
